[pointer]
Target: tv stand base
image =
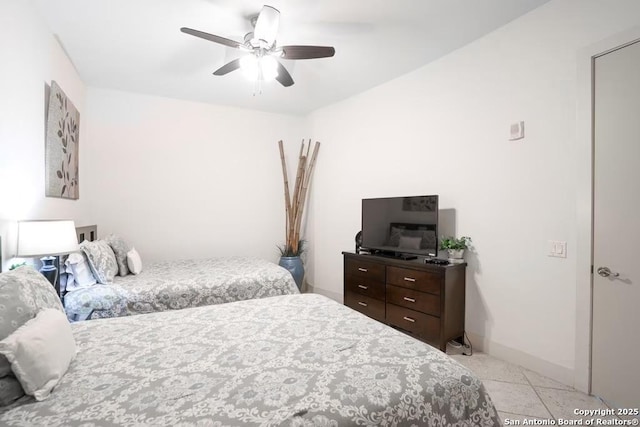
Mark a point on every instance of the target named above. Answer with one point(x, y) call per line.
point(396, 255)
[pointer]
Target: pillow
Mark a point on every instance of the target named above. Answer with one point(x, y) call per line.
point(407, 242)
point(10, 390)
point(133, 261)
point(23, 292)
point(394, 236)
point(65, 277)
point(101, 259)
point(120, 249)
point(428, 237)
point(429, 240)
point(40, 352)
point(77, 266)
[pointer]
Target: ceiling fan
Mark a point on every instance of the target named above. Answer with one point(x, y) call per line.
point(261, 63)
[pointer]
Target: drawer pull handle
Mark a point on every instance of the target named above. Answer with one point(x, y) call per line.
point(409, 299)
point(409, 279)
point(363, 287)
point(364, 270)
point(364, 304)
point(409, 319)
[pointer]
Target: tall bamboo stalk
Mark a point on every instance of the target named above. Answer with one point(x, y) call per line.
point(294, 205)
point(287, 201)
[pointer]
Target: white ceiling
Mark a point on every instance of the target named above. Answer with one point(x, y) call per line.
point(137, 46)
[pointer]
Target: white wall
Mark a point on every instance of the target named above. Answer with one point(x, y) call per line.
point(181, 179)
point(443, 129)
point(31, 58)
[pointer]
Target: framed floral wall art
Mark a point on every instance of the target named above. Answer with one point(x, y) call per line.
point(61, 146)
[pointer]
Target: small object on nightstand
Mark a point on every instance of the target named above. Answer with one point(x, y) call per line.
point(47, 239)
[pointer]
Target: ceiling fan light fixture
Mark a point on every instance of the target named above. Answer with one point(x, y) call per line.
point(255, 69)
point(267, 24)
point(250, 68)
point(269, 68)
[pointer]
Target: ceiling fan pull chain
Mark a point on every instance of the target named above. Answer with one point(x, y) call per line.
point(257, 87)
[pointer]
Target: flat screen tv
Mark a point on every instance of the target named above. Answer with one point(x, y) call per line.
point(401, 225)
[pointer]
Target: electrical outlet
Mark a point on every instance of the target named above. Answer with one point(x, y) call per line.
point(557, 249)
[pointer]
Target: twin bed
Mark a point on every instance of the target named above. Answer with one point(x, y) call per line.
point(271, 357)
point(179, 284)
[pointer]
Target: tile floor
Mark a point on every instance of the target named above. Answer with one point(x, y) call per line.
point(519, 393)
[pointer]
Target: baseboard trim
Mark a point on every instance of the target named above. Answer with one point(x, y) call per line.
point(559, 373)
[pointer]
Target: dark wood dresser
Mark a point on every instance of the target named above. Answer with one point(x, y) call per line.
point(423, 300)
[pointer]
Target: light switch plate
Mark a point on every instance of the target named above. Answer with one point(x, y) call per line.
point(557, 249)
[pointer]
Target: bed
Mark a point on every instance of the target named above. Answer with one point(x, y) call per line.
point(299, 360)
point(181, 284)
point(178, 284)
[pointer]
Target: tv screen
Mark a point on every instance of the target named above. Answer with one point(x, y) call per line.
point(401, 225)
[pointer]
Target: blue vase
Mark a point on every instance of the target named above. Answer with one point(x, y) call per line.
point(294, 265)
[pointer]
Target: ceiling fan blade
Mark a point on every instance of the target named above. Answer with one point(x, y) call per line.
point(283, 77)
point(307, 52)
point(211, 37)
point(228, 67)
point(267, 24)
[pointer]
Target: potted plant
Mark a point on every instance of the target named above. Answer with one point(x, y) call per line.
point(455, 247)
point(294, 208)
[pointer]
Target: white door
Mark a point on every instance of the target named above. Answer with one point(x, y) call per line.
point(616, 239)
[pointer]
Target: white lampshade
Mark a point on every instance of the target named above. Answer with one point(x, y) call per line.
point(259, 69)
point(250, 67)
point(269, 68)
point(46, 238)
point(267, 25)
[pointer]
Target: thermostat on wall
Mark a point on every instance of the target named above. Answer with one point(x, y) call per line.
point(517, 131)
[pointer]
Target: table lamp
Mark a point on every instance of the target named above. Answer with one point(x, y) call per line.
point(46, 239)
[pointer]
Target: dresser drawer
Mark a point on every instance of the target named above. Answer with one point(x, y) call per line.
point(414, 279)
point(423, 325)
point(364, 286)
point(366, 305)
point(419, 301)
point(369, 270)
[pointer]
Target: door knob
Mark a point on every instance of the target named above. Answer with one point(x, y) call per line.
point(606, 272)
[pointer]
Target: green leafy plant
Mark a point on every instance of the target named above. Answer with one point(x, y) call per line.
point(287, 251)
point(451, 243)
point(14, 266)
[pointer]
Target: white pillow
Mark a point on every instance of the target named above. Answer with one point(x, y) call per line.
point(82, 275)
point(134, 262)
point(40, 352)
